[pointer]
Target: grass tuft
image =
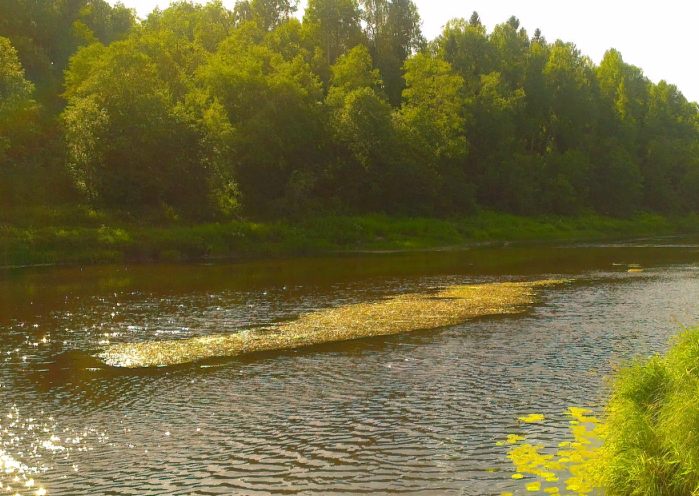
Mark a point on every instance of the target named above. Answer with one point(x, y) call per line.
point(651, 440)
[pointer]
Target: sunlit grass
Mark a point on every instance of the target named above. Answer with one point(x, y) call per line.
point(80, 234)
point(398, 314)
point(652, 431)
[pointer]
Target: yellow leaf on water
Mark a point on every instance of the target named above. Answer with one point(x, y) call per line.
point(551, 490)
point(534, 417)
point(517, 476)
point(506, 494)
point(533, 486)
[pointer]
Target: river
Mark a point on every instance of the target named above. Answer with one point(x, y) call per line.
point(414, 413)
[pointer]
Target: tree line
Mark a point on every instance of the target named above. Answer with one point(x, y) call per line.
point(211, 112)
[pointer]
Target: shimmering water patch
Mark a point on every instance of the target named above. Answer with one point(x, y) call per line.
point(31, 445)
point(403, 313)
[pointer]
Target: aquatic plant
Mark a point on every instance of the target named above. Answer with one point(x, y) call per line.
point(394, 315)
point(573, 467)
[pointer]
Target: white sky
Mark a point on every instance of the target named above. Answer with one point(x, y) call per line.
point(658, 37)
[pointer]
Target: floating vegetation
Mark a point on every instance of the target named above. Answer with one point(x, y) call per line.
point(394, 315)
point(574, 467)
point(534, 417)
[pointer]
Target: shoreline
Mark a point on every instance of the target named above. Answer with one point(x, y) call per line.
point(107, 241)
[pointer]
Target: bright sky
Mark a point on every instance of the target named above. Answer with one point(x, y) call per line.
point(658, 37)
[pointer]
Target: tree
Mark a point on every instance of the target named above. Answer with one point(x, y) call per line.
point(475, 20)
point(363, 132)
point(569, 83)
point(128, 146)
point(511, 48)
point(270, 14)
point(17, 108)
point(273, 108)
point(46, 34)
point(393, 31)
point(466, 47)
point(432, 122)
point(616, 182)
point(30, 154)
point(207, 25)
point(337, 23)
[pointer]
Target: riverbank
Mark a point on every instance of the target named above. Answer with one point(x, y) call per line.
point(82, 235)
point(645, 443)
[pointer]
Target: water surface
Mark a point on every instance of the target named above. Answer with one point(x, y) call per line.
point(416, 413)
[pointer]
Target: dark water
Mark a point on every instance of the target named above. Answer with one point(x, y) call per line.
point(417, 413)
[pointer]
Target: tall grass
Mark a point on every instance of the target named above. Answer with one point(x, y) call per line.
point(651, 433)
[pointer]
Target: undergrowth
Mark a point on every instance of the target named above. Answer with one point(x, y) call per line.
point(45, 235)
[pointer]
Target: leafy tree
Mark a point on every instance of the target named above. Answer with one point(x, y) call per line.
point(273, 108)
point(393, 31)
point(511, 47)
point(569, 83)
point(337, 23)
point(363, 132)
point(432, 122)
point(207, 25)
point(616, 182)
point(475, 20)
point(506, 178)
point(17, 108)
point(30, 153)
point(268, 14)
point(466, 47)
point(47, 33)
point(566, 185)
point(534, 124)
point(128, 147)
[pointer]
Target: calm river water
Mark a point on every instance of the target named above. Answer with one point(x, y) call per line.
point(418, 413)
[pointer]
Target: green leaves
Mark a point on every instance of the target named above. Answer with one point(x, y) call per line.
point(17, 107)
point(433, 108)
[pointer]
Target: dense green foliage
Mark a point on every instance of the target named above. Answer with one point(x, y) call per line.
point(209, 113)
point(651, 436)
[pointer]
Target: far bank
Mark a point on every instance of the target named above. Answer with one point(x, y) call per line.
point(82, 235)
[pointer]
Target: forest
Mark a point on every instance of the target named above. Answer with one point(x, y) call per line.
point(259, 112)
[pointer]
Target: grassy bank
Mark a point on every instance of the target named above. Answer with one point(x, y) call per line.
point(54, 235)
point(651, 436)
point(646, 443)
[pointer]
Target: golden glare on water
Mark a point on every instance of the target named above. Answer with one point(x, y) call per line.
point(29, 445)
point(404, 313)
